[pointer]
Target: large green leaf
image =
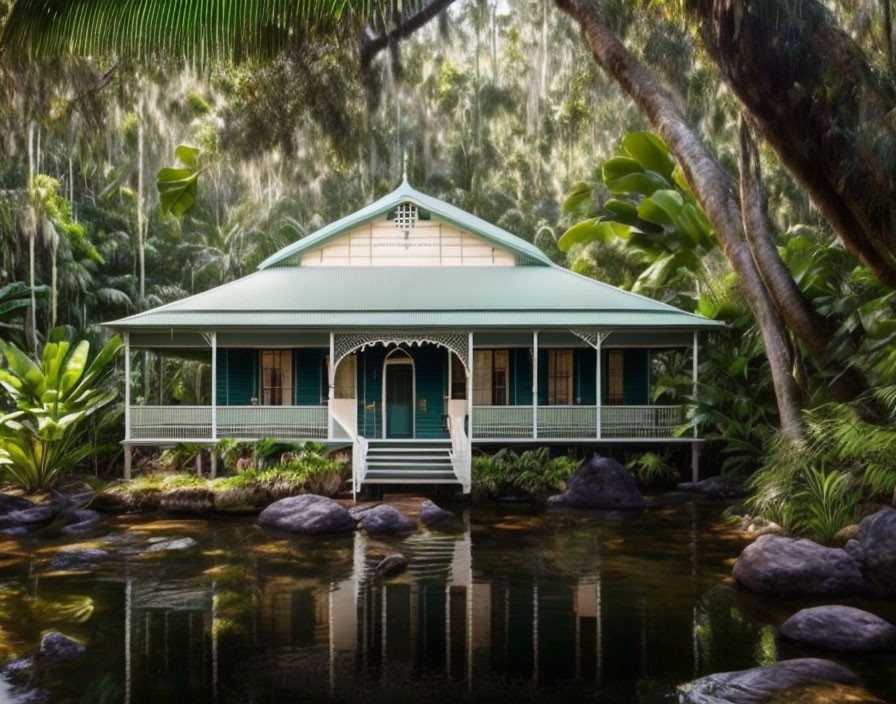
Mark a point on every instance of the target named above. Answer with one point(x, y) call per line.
point(643, 183)
point(593, 230)
point(177, 190)
point(650, 152)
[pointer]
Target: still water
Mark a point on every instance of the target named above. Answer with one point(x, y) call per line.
point(519, 604)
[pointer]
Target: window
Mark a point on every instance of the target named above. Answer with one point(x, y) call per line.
point(559, 377)
point(346, 373)
point(490, 377)
point(458, 378)
point(276, 377)
point(615, 371)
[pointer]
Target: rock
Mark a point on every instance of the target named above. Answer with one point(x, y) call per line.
point(785, 566)
point(715, 487)
point(56, 647)
point(840, 628)
point(877, 537)
point(391, 564)
point(433, 516)
point(760, 684)
point(18, 672)
point(83, 521)
point(171, 544)
point(757, 525)
point(844, 535)
point(308, 514)
point(386, 520)
point(77, 558)
point(15, 532)
point(600, 482)
point(357, 511)
point(28, 517)
point(13, 503)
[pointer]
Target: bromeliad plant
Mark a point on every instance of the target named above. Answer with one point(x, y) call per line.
point(44, 437)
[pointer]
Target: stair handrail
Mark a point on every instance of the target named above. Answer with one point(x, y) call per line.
point(359, 453)
point(460, 456)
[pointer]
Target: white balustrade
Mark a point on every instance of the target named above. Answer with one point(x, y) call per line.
point(576, 422)
point(195, 422)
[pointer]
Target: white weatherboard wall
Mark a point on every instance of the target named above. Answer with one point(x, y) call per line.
point(428, 243)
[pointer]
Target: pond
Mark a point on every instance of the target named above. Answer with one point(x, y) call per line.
point(521, 603)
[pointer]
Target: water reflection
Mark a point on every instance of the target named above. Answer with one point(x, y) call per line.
point(519, 603)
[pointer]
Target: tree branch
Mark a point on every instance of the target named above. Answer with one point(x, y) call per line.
point(373, 44)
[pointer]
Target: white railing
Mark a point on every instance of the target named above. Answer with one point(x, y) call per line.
point(502, 422)
point(171, 422)
point(244, 422)
point(567, 421)
point(640, 421)
point(297, 422)
point(576, 422)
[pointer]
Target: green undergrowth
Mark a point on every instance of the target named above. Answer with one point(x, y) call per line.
point(531, 473)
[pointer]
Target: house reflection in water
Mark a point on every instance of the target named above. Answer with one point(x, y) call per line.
point(341, 635)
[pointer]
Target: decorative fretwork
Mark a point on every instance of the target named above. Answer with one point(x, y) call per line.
point(595, 338)
point(457, 342)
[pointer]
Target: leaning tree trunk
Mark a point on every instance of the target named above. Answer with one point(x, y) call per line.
point(713, 189)
point(812, 329)
point(822, 107)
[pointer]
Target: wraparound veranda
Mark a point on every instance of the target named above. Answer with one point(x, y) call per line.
point(411, 330)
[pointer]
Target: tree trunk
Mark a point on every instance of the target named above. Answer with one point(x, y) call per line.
point(822, 107)
point(713, 189)
point(812, 329)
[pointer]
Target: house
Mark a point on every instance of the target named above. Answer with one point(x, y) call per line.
point(414, 331)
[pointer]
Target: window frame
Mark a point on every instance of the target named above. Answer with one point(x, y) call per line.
point(286, 388)
point(557, 376)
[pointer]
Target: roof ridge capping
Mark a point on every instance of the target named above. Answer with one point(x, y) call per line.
point(403, 194)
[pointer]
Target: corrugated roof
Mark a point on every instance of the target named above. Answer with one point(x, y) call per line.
point(348, 297)
point(405, 193)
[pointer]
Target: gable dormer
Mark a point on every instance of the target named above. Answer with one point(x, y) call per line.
point(409, 228)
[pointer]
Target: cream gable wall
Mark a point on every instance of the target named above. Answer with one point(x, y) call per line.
point(429, 243)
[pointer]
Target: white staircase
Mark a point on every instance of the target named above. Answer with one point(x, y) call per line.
point(409, 462)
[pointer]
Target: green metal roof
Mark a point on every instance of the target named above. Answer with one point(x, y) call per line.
point(435, 207)
point(408, 297)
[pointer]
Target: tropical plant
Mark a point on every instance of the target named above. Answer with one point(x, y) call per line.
point(652, 469)
point(532, 473)
point(43, 438)
point(652, 210)
point(828, 503)
point(15, 298)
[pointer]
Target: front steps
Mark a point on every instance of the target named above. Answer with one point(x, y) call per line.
point(409, 462)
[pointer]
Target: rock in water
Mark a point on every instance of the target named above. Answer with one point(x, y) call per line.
point(386, 520)
point(433, 516)
point(172, 544)
point(760, 684)
point(56, 647)
point(840, 628)
point(77, 558)
point(714, 487)
point(83, 521)
point(877, 538)
point(13, 503)
point(391, 564)
point(28, 517)
point(600, 482)
point(785, 566)
point(307, 514)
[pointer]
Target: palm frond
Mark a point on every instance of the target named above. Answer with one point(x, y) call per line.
point(199, 30)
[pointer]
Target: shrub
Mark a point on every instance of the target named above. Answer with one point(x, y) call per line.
point(651, 469)
point(45, 437)
point(532, 473)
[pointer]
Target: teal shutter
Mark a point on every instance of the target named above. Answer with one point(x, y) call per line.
point(635, 375)
point(521, 370)
point(237, 380)
point(308, 366)
point(584, 382)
